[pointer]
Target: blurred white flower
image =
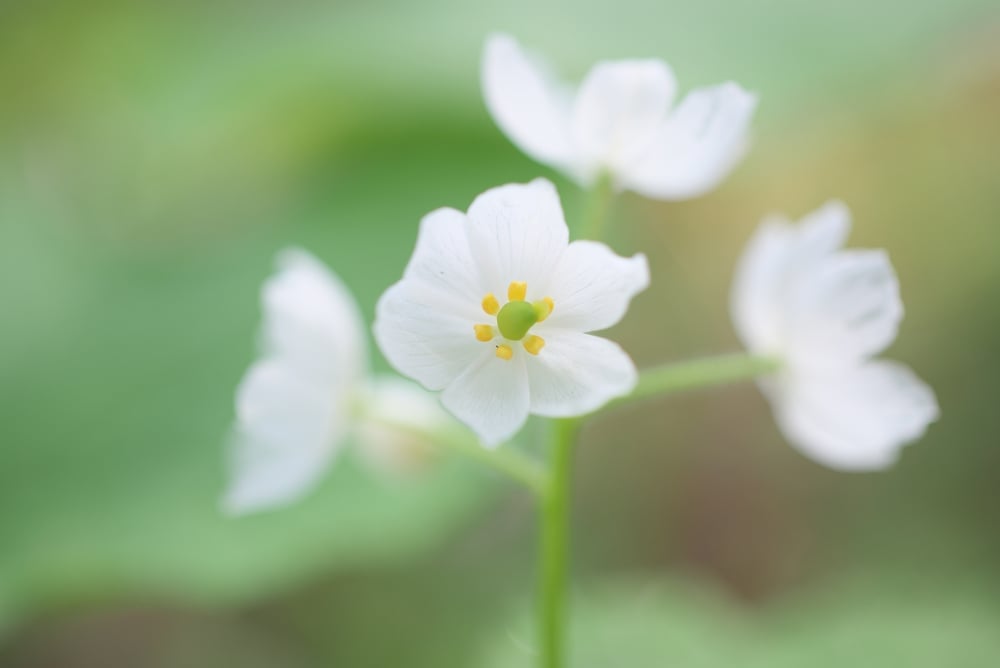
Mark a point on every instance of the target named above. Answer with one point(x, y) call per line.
point(620, 122)
point(310, 390)
point(493, 307)
point(824, 312)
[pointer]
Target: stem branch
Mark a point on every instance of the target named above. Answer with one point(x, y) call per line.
point(695, 374)
point(595, 213)
point(505, 459)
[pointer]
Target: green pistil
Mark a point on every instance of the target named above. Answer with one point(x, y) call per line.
point(515, 319)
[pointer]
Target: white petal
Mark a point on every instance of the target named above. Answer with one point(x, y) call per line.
point(618, 109)
point(575, 374)
point(755, 299)
point(781, 255)
point(420, 339)
point(312, 321)
point(530, 106)
point(491, 397)
point(442, 268)
point(287, 431)
point(857, 419)
point(592, 286)
point(517, 232)
point(822, 231)
point(846, 309)
point(698, 145)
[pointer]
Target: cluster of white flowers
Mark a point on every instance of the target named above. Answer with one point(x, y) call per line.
point(494, 308)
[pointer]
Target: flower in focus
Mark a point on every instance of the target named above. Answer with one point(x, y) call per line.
point(620, 123)
point(311, 389)
point(493, 308)
point(824, 312)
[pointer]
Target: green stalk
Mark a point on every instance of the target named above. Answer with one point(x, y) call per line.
point(554, 546)
point(504, 459)
point(598, 207)
point(696, 374)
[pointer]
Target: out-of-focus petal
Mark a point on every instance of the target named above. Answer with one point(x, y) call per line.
point(592, 287)
point(781, 255)
point(517, 232)
point(855, 419)
point(618, 109)
point(577, 373)
point(491, 397)
point(847, 309)
point(312, 321)
point(287, 431)
point(698, 145)
point(530, 106)
point(755, 297)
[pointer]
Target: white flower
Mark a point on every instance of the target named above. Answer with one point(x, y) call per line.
point(310, 390)
point(493, 307)
point(619, 122)
point(824, 313)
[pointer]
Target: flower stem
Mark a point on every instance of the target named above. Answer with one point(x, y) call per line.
point(554, 546)
point(695, 374)
point(505, 459)
point(595, 214)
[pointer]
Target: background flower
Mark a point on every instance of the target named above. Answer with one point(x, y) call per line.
point(310, 389)
point(620, 122)
point(493, 307)
point(824, 312)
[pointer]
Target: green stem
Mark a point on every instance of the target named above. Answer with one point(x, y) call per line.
point(554, 546)
point(695, 374)
point(505, 459)
point(595, 214)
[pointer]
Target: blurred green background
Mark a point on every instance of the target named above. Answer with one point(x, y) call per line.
point(155, 156)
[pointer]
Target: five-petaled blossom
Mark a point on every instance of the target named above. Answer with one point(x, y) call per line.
point(493, 308)
point(620, 123)
point(823, 313)
point(311, 390)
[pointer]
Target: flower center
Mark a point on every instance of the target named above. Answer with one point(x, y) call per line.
point(514, 320)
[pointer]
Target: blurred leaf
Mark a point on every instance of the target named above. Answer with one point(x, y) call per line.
point(684, 626)
point(657, 624)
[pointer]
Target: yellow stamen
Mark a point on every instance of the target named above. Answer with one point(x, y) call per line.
point(490, 304)
point(534, 344)
point(543, 308)
point(483, 332)
point(504, 352)
point(516, 291)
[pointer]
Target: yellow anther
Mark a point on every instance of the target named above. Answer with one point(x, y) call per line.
point(534, 344)
point(483, 332)
point(543, 308)
point(516, 291)
point(490, 304)
point(504, 352)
